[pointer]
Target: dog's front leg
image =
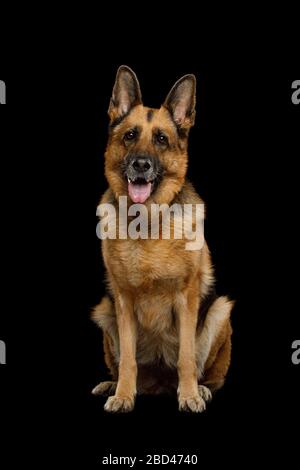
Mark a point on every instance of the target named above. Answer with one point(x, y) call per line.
point(123, 400)
point(187, 305)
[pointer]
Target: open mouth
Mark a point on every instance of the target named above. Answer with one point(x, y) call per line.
point(139, 190)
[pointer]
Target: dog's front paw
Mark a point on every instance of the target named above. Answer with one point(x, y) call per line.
point(205, 393)
point(195, 403)
point(117, 404)
point(105, 388)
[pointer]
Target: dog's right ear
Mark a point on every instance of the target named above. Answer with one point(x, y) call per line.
point(126, 93)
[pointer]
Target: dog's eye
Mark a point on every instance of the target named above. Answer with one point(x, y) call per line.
point(130, 135)
point(161, 138)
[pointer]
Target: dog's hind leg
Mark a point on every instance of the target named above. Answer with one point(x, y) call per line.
point(104, 316)
point(215, 374)
point(109, 357)
point(204, 393)
point(106, 389)
point(214, 347)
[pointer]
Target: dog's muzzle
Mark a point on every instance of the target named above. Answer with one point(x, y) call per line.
point(141, 172)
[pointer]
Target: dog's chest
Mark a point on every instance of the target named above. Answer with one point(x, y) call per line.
point(144, 262)
point(157, 334)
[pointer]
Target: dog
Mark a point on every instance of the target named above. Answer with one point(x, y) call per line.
point(164, 328)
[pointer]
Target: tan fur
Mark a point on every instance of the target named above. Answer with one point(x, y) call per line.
point(175, 167)
point(154, 340)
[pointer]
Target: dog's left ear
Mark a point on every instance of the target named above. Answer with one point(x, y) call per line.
point(126, 93)
point(181, 101)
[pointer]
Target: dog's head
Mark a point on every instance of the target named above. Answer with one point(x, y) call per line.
point(146, 155)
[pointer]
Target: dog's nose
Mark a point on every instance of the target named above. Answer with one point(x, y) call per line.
point(141, 164)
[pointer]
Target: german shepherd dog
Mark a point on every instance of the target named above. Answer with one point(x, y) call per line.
point(164, 328)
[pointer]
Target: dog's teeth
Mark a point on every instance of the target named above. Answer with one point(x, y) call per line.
point(129, 180)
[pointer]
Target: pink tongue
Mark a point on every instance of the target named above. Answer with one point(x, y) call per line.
point(139, 192)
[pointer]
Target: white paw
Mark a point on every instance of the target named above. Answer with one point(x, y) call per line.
point(105, 388)
point(119, 404)
point(204, 392)
point(195, 403)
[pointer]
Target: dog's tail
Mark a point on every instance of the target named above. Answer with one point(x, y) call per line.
point(104, 314)
point(214, 343)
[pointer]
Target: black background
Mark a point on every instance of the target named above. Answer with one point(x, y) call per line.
point(243, 162)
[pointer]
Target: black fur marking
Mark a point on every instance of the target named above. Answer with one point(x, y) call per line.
point(117, 121)
point(205, 305)
point(110, 295)
point(182, 133)
point(149, 115)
